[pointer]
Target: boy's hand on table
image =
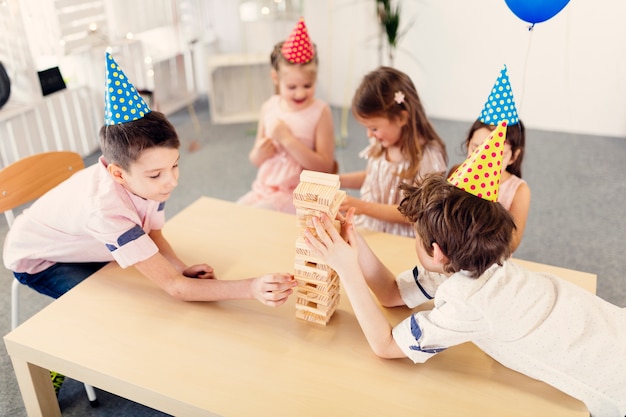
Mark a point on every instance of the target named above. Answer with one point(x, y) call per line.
point(202, 271)
point(273, 289)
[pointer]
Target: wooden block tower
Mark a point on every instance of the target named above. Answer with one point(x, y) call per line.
point(317, 293)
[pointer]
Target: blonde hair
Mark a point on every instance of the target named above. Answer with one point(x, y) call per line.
point(278, 60)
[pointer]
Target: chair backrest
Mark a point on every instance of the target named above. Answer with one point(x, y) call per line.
point(28, 179)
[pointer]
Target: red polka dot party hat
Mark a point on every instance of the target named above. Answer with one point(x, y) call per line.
point(122, 102)
point(298, 48)
point(480, 173)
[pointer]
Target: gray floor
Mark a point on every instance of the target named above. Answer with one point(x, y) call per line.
point(576, 219)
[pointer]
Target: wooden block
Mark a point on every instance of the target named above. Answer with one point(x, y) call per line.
point(331, 180)
point(312, 317)
point(311, 293)
point(321, 287)
point(315, 308)
point(317, 293)
point(311, 272)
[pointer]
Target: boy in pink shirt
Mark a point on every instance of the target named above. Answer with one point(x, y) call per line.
point(113, 211)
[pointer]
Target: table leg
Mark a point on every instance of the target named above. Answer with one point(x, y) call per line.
point(36, 388)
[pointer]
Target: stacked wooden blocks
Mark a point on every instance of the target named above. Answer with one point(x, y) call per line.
point(317, 293)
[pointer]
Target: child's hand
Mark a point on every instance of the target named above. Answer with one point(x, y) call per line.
point(273, 289)
point(347, 223)
point(202, 271)
point(330, 246)
point(281, 132)
point(265, 149)
point(352, 202)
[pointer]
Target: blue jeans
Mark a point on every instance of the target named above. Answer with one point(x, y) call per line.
point(59, 278)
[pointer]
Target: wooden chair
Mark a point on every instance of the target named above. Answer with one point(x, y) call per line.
point(25, 181)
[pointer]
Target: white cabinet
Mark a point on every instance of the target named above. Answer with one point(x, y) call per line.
point(238, 85)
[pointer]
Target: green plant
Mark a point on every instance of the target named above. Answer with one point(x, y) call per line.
point(389, 20)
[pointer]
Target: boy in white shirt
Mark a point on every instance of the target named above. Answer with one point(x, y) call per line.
point(536, 324)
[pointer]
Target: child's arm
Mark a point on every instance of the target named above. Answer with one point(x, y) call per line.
point(519, 211)
point(322, 156)
point(381, 211)
point(379, 278)
point(270, 289)
point(263, 148)
point(343, 257)
point(353, 180)
point(194, 271)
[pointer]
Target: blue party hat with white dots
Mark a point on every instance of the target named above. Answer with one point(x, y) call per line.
point(500, 105)
point(122, 102)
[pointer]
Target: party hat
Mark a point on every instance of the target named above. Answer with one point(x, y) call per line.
point(298, 48)
point(500, 105)
point(122, 102)
point(480, 173)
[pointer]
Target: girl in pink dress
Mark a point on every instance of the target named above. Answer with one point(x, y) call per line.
point(295, 130)
point(514, 192)
point(404, 147)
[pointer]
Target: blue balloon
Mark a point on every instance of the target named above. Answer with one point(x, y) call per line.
point(536, 11)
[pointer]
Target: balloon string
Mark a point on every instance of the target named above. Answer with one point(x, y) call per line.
point(530, 38)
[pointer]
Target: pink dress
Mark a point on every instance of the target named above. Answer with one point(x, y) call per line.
point(278, 176)
point(381, 186)
point(508, 189)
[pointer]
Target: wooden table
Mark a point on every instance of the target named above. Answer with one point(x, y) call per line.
point(121, 333)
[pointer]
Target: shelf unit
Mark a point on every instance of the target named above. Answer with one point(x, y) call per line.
point(238, 85)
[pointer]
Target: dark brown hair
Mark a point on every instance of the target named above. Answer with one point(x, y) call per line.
point(515, 137)
point(473, 233)
point(375, 97)
point(123, 143)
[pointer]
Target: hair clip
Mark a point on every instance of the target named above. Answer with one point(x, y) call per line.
point(398, 97)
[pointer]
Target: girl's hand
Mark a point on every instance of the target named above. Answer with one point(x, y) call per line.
point(273, 289)
point(281, 132)
point(352, 202)
point(265, 149)
point(202, 271)
point(347, 223)
point(330, 246)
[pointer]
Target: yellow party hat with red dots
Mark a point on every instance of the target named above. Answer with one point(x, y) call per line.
point(480, 173)
point(298, 48)
point(122, 102)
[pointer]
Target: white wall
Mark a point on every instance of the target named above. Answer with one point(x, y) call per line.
point(568, 74)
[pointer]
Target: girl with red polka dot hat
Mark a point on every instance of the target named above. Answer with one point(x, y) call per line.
point(295, 129)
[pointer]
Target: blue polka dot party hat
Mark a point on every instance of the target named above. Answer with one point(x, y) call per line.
point(500, 105)
point(122, 102)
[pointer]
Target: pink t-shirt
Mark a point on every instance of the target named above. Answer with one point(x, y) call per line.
point(87, 218)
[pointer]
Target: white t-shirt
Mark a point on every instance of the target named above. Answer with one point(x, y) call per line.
point(87, 218)
point(534, 323)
